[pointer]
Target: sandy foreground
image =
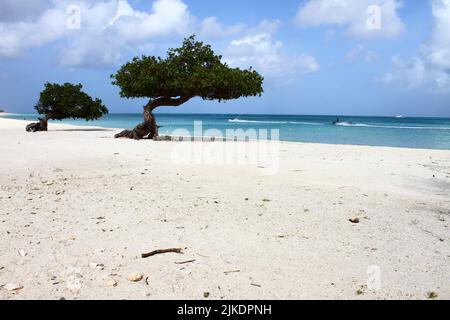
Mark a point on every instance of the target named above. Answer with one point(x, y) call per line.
point(78, 208)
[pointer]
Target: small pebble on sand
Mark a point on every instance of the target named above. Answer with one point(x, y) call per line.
point(135, 277)
point(12, 287)
point(110, 282)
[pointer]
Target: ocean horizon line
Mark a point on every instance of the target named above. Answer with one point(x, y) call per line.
point(258, 114)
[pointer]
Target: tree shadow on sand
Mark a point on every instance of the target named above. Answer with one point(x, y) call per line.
point(83, 130)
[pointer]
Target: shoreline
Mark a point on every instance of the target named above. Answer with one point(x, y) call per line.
point(61, 125)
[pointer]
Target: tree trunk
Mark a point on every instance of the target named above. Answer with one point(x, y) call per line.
point(149, 127)
point(146, 128)
point(42, 125)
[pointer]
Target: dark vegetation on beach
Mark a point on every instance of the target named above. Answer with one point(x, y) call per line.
point(193, 70)
point(67, 101)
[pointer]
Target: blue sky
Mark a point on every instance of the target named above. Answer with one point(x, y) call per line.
point(317, 56)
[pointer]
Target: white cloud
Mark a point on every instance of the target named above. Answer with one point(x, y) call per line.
point(430, 69)
point(359, 18)
point(110, 28)
point(256, 47)
point(167, 17)
point(266, 55)
point(437, 50)
point(107, 29)
point(17, 36)
point(212, 28)
point(411, 72)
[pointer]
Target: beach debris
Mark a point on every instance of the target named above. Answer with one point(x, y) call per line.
point(255, 285)
point(361, 290)
point(232, 271)
point(74, 279)
point(434, 235)
point(266, 200)
point(354, 220)
point(135, 277)
point(96, 266)
point(160, 251)
point(184, 262)
point(432, 295)
point(22, 253)
point(110, 282)
point(12, 287)
point(206, 294)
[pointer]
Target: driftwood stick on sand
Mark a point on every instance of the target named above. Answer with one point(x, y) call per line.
point(150, 254)
point(232, 271)
point(184, 262)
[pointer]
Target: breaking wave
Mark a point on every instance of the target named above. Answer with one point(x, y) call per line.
point(342, 124)
point(347, 124)
point(275, 122)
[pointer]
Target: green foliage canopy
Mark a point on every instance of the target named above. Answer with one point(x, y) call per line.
point(193, 70)
point(65, 101)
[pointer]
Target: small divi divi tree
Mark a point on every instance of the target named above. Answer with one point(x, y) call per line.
point(67, 101)
point(193, 70)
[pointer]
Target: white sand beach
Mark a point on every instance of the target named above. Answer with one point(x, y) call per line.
point(78, 208)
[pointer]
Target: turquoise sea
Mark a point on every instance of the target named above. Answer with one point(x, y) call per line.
point(429, 133)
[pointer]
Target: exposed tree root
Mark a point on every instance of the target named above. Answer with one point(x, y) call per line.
point(42, 125)
point(148, 128)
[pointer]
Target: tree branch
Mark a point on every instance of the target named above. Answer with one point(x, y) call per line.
point(167, 102)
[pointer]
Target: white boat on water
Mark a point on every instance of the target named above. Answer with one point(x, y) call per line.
point(400, 117)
